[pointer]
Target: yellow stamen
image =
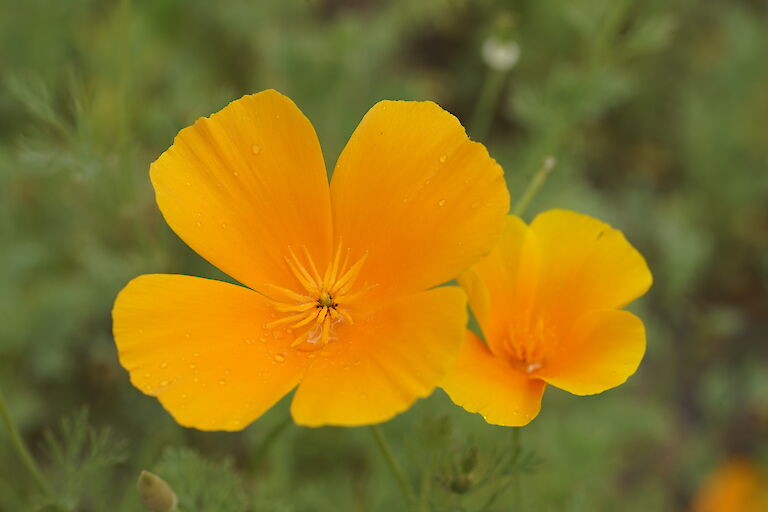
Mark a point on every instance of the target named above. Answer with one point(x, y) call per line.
point(300, 272)
point(324, 302)
point(339, 287)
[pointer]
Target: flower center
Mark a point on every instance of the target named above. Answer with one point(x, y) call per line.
point(324, 300)
point(529, 339)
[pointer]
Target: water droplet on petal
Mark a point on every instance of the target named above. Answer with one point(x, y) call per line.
point(224, 225)
point(443, 158)
point(164, 383)
point(164, 365)
point(255, 149)
point(235, 173)
point(222, 382)
point(199, 223)
point(441, 202)
point(192, 366)
point(279, 358)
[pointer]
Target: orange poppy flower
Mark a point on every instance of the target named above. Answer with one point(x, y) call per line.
point(547, 299)
point(339, 298)
point(737, 486)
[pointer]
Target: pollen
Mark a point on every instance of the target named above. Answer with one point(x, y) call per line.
point(530, 337)
point(323, 300)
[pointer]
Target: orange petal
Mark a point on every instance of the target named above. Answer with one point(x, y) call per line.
point(380, 365)
point(242, 185)
point(482, 383)
point(200, 346)
point(601, 351)
point(503, 283)
point(412, 190)
point(585, 265)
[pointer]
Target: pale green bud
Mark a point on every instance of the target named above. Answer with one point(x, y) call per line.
point(155, 493)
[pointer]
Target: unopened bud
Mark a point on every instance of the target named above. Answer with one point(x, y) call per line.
point(155, 493)
point(461, 483)
point(469, 460)
point(499, 54)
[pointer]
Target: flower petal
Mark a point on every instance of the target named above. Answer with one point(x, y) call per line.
point(199, 345)
point(482, 383)
point(585, 265)
point(504, 282)
point(242, 185)
point(601, 351)
point(412, 190)
point(380, 365)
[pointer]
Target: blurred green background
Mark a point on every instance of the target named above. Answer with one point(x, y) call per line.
point(656, 110)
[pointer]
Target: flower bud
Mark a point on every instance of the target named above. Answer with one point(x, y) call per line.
point(469, 460)
point(500, 52)
point(461, 483)
point(155, 493)
point(500, 55)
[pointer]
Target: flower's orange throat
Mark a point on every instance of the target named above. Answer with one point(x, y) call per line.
point(324, 300)
point(529, 338)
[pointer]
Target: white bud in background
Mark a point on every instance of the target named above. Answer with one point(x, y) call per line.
point(500, 55)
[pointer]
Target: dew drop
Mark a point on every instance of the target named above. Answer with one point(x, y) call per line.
point(164, 383)
point(164, 365)
point(235, 173)
point(227, 371)
point(196, 354)
point(222, 382)
point(199, 223)
point(441, 202)
point(192, 366)
point(183, 396)
point(187, 335)
point(279, 358)
point(443, 158)
point(248, 341)
point(255, 149)
point(224, 225)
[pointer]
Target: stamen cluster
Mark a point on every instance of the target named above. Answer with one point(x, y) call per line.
point(324, 300)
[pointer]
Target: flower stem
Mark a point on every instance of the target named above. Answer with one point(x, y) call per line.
point(517, 448)
point(405, 487)
point(486, 104)
point(269, 439)
point(23, 452)
point(534, 186)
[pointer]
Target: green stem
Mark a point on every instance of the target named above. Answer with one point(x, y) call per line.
point(517, 488)
point(23, 452)
point(534, 186)
point(486, 104)
point(405, 487)
point(268, 440)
